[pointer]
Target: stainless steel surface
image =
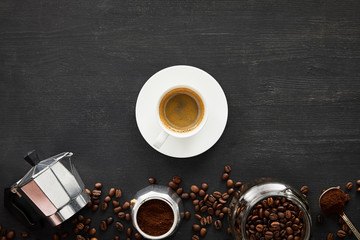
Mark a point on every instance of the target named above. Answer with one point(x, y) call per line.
point(162, 193)
point(54, 187)
point(242, 203)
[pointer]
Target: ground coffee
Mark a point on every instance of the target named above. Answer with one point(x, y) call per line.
point(155, 217)
point(333, 202)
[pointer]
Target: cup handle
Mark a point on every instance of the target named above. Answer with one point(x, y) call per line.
point(161, 139)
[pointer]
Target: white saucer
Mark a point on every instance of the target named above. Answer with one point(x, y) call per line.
point(215, 100)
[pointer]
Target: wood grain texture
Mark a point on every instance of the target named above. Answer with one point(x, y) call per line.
point(70, 73)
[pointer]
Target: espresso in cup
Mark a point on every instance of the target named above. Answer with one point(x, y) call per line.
point(181, 110)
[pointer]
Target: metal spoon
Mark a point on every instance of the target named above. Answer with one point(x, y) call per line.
point(342, 214)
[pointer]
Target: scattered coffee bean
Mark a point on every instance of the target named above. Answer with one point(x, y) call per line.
point(80, 226)
point(88, 191)
point(117, 210)
point(209, 219)
point(118, 193)
point(203, 221)
point(187, 215)
point(121, 215)
point(119, 226)
point(341, 233)
point(173, 185)
point(185, 196)
point(227, 169)
point(349, 186)
point(177, 179)
point(204, 186)
point(115, 203)
point(358, 182)
point(138, 236)
point(195, 237)
point(129, 232)
point(127, 217)
point(229, 183)
point(112, 192)
point(107, 199)
point(126, 205)
point(179, 191)
point(94, 208)
point(197, 216)
point(55, 236)
point(79, 237)
point(202, 193)
point(230, 191)
point(218, 224)
point(24, 234)
point(358, 189)
point(203, 232)
point(98, 186)
point(104, 206)
point(194, 188)
point(196, 227)
point(238, 184)
point(304, 190)
point(192, 195)
point(103, 226)
point(152, 180)
point(225, 176)
point(92, 231)
point(109, 220)
point(330, 236)
point(10, 235)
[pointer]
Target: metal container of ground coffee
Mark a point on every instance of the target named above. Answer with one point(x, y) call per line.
point(156, 211)
point(269, 209)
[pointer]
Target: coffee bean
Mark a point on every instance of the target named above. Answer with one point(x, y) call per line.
point(98, 186)
point(10, 235)
point(129, 232)
point(259, 227)
point(115, 203)
point(94, 208)
point(152, 180)
point(230, 191)
point(358, 189)
point(197, 208)
point(109, 220)
point(304, 190)
point(229, 183)
point(96, 202)
point(358, 182)
point(103, 226)
point(127, 217)
point(107, 199)
point(187, 215)
point(330, 236)
point(55, 236)
point(197, 216)
point(341, 233)
point(92, 231)
point(227, 169)
point(80, 226)
point(221, 215)
point(225, 176)
point(195, 237)
point(203, 221)
point(118, 193)
point(194, 188)
point(185, 196)
point(96, 193)
point(211, 211)
point(320, 218)
point(88, 191)
point(64, 235)
point(203, 232)
point(117, 210)
point(217, 194)
point(138, 236)
point(228, 230)
point(104, 206)
point(196, 228)
point(192, 195)
point(204, 186)
point(345, 227)
point(349, 186)
point(126, 205)
point(269, 235)
point(238, 184)
point(173, 185)
point(79, 237)
point(347, 197)
point(24, 234)
point(177, 179)
point(121, 215)
point(179, 191)
point(94, 238)
point(218, 224)
point(86, 229)
point(119, 226)
point(202, 193)
point(209, 219)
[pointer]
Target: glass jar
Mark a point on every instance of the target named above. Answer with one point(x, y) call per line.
point(256, 191)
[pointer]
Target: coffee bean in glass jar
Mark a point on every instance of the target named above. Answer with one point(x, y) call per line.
point(267, 209)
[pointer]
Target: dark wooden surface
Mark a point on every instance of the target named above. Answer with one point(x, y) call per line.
point(70, 73)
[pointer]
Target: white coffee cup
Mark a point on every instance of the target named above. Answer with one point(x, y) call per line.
point(167, 100)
